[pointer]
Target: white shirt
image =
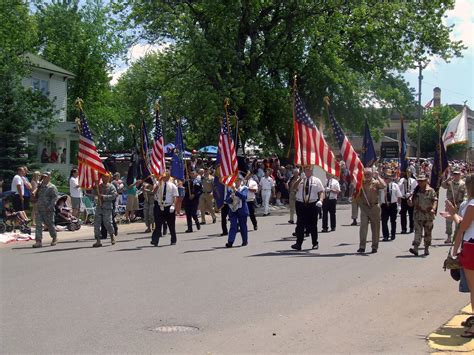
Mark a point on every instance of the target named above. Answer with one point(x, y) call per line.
point(394, 191)
point(251, 184)
point(469, 233)
point(332, 184)
point(74, 188)
point(310, 194)
point(17, 180)
point(266, 183)
point(171, 193)
point(407, 186)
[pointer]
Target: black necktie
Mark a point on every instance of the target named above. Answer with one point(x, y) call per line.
point(164, 193)
point(307, 190)
point(389, 195)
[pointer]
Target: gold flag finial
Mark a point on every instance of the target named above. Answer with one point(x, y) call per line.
point(157, 106)
point(79, 104)
point(327, 101)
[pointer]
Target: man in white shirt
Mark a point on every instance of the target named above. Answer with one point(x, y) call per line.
point(389, 198)
point(310, 190)
point(18, 187)
point(166, 193)
point(407, 185)
point(329, 203)
point(267, 186)
point(252, 190)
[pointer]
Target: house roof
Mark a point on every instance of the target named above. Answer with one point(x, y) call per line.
point(43, 64)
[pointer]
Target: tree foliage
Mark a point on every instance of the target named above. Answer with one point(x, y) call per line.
point(250, 50)
point(429, 130)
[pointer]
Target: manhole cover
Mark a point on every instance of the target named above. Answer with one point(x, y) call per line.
point(174, 329)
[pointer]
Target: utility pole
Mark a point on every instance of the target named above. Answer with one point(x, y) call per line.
point(418, 144)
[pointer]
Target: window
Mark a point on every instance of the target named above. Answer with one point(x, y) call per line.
point(41, 85)
point(393, 135)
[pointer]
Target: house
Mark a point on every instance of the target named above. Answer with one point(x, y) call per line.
point(61, 149)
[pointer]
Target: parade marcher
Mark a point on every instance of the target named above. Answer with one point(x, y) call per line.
point(267, 186)
point(148, 204)
point(389, 199)
point(368, 201)
point(354, 211)
point(455, 193)
point(192, 193)
point(252, 190)
point(293, 183)
point(224, 213)
point(166, 193)
point(310, 190)
point(106, 195)
point(206, 201)
point(46, 196)
point(238, 212)
point(329, 203)
point(407, 185)
point(424, 202)
point(35, 182)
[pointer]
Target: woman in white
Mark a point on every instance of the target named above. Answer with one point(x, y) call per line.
point(267, 186)
point(465, 234)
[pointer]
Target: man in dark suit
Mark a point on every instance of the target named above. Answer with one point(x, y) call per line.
point(192, 192)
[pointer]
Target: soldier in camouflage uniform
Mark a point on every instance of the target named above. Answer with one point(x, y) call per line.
point(455, 193)
point(148, 205)
point(106, 196)
point(206, 201)
point(424, 201)
point(47, 195)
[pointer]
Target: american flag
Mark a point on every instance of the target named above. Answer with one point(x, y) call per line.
point(228, 168)
point(428, 104)
point(353, 163)
point(310, 145)
point(90, 164)
point(157, 154)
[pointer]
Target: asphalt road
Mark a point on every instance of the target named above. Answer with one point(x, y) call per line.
point(260, 298)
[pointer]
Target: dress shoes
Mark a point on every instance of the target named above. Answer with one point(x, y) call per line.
point(291, 222)
point(296, 247)
point(228, 245)
point(244, 244)
point(224, 234)
point(354, 222)
point(315, 246)
point(255, 227)
point(413, 251)
point(198, 226)
point(374, 251)
point(360, 250)
point(188, 231)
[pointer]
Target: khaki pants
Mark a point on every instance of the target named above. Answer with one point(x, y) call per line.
point(206, 204)
point(354, 210)
point(422, 228)
point(372, 216)
point(292, 202)
point(148, 207)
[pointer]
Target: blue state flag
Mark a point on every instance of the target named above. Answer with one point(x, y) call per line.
point(440, 165)
point(177, 161)
point(403, 148)
point(368, 157)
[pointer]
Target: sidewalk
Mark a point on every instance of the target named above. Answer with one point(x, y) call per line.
point(447, 339)
point(87, 230)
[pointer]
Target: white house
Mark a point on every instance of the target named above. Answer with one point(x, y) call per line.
point(52, 80)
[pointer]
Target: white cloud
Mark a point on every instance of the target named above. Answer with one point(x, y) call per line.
point(462, 16)
point(136, 52)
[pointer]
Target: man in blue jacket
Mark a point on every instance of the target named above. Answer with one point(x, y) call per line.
point(238, 211)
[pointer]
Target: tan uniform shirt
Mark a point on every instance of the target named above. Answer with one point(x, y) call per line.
point(369, 196)
point(455, 191)
point(207, 184)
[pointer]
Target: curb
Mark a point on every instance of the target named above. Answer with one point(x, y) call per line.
point(447, 338)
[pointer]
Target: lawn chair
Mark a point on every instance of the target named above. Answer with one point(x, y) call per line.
point(89, 208)
point(121, 209)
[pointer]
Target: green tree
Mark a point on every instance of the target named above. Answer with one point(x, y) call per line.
point(20, 108)
point(84, 39)
point(250, 50)
point(429, 130)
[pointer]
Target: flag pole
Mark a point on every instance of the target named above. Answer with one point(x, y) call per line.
point(293, 118)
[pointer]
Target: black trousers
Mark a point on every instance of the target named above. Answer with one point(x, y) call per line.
point(329, 206)
point(251, 206)
point(190, 208)
point(224, 214)
point(389, 211)
point(307, 221)
point(403, 215)
point(162, 217)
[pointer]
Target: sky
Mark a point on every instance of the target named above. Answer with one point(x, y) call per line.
point(456, 79)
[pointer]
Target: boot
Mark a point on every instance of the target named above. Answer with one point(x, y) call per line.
point(97, 244)
point(112, 239)
point(354, 222)
point(414, 250)
point(38, 244)
point(427, 252)
point(448, 240)
point(54, 241)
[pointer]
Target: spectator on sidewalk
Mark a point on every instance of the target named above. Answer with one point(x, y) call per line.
point(75, 191)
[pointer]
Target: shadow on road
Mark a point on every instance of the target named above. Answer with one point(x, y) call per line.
point(306, 253)
point(210, 249)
